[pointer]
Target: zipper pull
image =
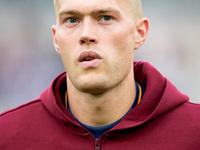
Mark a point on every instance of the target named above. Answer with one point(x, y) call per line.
point(97, 144)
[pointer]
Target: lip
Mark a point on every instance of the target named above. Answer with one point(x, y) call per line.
point(87, 55)
point(89, 59)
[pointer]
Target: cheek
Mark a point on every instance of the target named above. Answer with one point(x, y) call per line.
point(124, 37)
point(66, 38)
point(124, 44)
point(64, 41)
point(121, 55)
point(66, 47)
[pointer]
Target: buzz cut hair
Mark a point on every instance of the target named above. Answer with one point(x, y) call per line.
point(55, 3)
point(137, 8)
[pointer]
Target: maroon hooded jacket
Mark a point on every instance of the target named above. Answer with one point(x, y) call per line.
point(163, 120)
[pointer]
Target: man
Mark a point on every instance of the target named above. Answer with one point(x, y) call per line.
point(104, 100)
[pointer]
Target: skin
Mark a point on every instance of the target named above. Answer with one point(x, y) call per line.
point(136, 7)
point(102, 93)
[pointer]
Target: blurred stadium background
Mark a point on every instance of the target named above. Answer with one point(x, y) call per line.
point(29, 63)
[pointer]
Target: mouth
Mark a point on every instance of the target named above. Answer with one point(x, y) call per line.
point(89, 59)
point(88, 56)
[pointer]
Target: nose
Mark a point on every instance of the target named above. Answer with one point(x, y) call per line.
point(88, 32)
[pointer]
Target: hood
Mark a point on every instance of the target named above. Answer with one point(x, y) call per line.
point(160, 96)
point(52, 100)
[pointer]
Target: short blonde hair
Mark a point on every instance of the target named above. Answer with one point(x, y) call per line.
point(136, 8)
point(55, 3)
point(139, 8)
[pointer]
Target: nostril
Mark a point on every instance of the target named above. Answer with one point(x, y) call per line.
point(83, 41)
point(87, 41)
point(91, 40)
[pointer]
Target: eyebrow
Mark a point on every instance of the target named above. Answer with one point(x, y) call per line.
point(107, 10)
point(94, 12)
point(69, 12)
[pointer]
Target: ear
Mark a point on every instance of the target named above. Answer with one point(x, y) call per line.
point(142, 28)
point(55, 42)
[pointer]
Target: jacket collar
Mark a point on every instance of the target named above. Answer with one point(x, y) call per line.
point(160, 96)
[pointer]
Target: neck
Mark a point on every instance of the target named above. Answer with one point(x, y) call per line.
point(105, 108)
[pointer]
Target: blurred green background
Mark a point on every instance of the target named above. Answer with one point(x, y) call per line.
point(29, 63)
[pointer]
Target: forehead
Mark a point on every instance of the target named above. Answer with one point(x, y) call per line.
point(91, 5)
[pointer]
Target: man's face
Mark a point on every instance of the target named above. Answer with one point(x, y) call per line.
point(96, 40)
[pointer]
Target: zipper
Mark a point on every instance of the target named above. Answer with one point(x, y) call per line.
point(97, 144)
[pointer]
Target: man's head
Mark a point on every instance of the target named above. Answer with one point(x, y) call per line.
point(96, 40)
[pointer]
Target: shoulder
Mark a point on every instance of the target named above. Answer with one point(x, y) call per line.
point(193, 110)
point(191, 107)
point(26, 110)
point(188, 112)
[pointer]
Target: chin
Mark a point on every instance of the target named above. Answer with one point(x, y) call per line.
point(93, 89)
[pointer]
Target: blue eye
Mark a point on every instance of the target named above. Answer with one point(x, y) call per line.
point(71, 20)
point(106, 18)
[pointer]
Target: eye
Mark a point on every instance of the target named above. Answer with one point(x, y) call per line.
point(71, 20)
point(106, 18)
